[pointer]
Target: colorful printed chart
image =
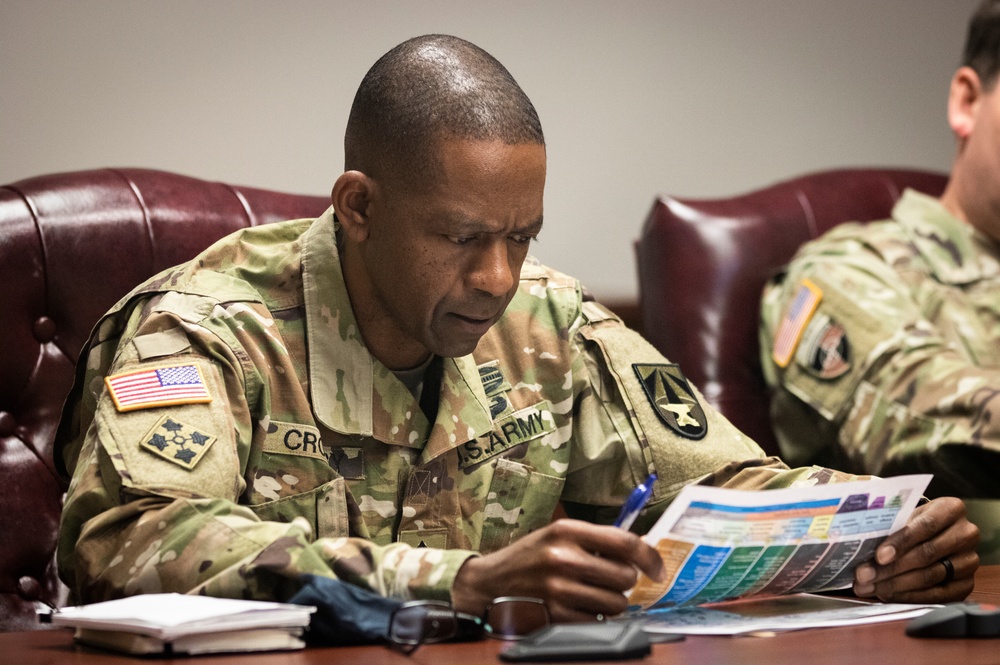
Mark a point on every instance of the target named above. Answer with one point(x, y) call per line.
point(718, 544)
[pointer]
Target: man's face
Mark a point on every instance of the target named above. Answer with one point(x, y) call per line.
point(984, 142)
point(977, 168)
point(443, 255)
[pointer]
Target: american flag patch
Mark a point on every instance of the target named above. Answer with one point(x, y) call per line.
point(161, 386)
point(794, 322)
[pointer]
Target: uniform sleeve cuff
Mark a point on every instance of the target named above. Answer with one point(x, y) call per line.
point(432, 573)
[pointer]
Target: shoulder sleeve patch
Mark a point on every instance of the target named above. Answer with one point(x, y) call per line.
point(637, 375)
point(672, 399)
point(825, 350)
point(799, 311)
point(177, 442)
point(834, 351)
point(197, 451)
point(168, 385)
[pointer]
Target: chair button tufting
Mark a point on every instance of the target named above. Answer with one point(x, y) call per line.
point(29, 588)
point(7, 424)
point(44, 330)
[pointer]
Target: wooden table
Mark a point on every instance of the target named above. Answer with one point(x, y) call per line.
point(881, 643)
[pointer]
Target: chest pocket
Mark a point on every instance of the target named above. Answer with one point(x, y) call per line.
point(292, 478)
point(289, 460)
point(520, 500)
point(324, 507)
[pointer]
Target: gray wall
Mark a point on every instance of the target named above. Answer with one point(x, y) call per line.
point(688, 97)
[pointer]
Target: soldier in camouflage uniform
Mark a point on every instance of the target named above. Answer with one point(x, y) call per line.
point(882, 341)
point(394, 395)
point(896, 369)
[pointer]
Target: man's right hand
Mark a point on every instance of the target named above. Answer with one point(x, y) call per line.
point(579, 569)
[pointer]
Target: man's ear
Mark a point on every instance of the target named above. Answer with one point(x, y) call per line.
point(352, 194)
point(964, 97)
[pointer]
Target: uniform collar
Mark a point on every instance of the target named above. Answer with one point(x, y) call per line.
point(351, 391)
point(955, 251)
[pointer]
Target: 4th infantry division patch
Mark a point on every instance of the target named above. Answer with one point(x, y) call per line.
point(176, 442)
point(673, 399)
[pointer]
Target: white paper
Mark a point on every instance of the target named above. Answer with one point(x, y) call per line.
point(719, 544)
point(776, 614)
point(170, 615)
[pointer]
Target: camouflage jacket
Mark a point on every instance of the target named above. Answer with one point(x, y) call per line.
point(882, 342)
point(229, 431)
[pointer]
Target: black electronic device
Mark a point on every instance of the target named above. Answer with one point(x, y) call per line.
point(967, 619)
point(599, 640)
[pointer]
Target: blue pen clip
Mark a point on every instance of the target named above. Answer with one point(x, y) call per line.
point(635, 503)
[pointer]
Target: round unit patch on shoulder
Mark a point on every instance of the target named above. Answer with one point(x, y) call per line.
point(825, 350)
point(672, 399)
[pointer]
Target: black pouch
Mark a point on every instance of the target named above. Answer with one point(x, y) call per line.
point(345, 614)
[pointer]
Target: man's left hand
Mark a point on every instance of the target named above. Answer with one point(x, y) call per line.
point(912, 565)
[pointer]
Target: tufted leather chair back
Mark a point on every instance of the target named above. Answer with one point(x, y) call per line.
point(703, 263)
point(71, 245)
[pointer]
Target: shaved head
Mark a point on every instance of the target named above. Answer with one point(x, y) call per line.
point(429, 89)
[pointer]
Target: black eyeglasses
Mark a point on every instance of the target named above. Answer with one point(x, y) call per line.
point(419, 622)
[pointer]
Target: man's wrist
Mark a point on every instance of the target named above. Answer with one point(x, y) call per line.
point(466, 591)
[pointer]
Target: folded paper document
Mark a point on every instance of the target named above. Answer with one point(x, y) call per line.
point(177, 623)
point(718, 544)
point(772, 614)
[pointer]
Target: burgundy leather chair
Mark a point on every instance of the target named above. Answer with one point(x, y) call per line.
point(702, 265)
point(71, 245)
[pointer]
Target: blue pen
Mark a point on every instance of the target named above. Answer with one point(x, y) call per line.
point(635, 503)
